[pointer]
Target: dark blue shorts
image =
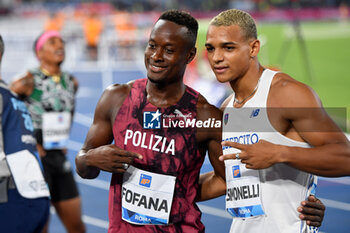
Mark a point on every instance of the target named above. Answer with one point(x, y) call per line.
point(22, 215)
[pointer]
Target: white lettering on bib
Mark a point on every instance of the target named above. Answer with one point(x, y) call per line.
point(27, 175)
point(147, 197)
point(56, 128)
point(243, 194)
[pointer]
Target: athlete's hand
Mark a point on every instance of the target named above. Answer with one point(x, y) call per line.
point(256, 156)
point(111, 158)
point(312, 211)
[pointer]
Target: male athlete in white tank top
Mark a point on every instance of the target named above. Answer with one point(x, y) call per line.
point(273, 125)
point(279, 188)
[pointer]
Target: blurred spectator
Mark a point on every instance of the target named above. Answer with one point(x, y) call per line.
point(343, 12)
point(126, 34)
point(93, 27)
point(55, 22)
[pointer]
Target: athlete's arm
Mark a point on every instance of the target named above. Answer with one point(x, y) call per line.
point(97, 152)
point(299, 115)
point(212, 184)
point(24, 85)
point(330, 155)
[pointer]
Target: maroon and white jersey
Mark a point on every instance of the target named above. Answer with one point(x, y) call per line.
point(168, 147)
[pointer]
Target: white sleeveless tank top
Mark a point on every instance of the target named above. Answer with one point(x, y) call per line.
point(282, 186)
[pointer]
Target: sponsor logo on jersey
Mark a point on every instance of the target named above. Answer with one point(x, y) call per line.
point(236, 172)
point(145, 180)
point(226, 118)
point(255, 113)
point(151, 120)
point(60, 119)
point(155, 120)
point(28, 139)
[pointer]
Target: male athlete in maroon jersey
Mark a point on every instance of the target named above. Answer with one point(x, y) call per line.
point(172, 151)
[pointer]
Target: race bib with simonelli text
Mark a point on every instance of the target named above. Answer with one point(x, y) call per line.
point(243, 194)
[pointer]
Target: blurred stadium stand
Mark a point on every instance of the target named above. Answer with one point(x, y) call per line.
point(22, 20)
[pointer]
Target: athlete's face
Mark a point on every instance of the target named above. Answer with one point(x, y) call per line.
point(229, 52)
point(52, 51)
point(168, 52)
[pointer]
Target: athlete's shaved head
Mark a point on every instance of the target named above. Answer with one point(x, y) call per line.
point(185, 19)
point(237, 17)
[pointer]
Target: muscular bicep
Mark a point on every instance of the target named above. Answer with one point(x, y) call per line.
point(316, 127)
point(100, 133)
point(302, 108)
point(101, 130)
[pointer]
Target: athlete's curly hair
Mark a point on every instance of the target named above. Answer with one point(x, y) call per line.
point(237, 17)
point(185, 19)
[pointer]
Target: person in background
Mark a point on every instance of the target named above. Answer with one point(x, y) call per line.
point(50, 96)
point(24, 195)
point(55, 22)
point(93, 27)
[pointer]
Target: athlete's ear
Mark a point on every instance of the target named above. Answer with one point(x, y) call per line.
point(192, 54)
point(254, 48)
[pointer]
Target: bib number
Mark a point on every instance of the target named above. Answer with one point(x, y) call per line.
point(243, 194)
point(147, 197)
point(56, 128)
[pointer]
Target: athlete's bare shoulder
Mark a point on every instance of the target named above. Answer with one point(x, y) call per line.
point(118, 89)
point(206, 110)
point(288, 92)
point(111, 100)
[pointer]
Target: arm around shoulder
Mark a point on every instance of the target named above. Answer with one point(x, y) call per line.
point(211, 184)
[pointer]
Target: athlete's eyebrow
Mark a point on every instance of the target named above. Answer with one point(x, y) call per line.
point(229, 43)
point(223, 44)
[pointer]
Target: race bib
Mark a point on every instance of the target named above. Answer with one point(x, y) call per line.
point(56, 128)
point(147, 197)
point(27, 174)
point(243, 194)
